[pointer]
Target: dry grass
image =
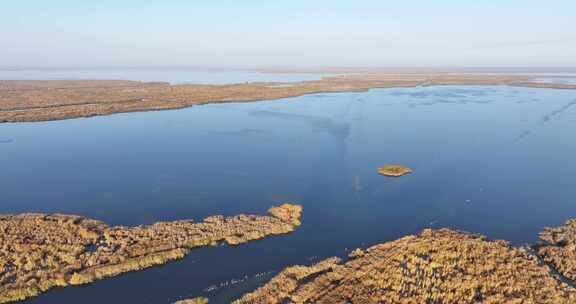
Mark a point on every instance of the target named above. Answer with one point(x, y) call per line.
point(22, 101)
point(436, 266)
point(39, 252)
point(394, 170)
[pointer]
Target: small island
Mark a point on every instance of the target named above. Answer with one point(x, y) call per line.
point(394, 170)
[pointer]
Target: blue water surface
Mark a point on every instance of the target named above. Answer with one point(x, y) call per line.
point(216, 76)
point(492, 160)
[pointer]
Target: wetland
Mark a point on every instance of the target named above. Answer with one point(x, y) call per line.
point(495, 160)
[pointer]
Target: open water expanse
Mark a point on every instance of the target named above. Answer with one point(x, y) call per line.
point(170, 75)
point(496, 160)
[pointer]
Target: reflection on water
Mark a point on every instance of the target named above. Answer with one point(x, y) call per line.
point(483, 160)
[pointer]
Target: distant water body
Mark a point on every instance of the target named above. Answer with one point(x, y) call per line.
point(171, 75)
point(562, 80)
point(494, 160)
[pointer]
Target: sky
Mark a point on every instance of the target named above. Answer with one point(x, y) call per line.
point(295, 33)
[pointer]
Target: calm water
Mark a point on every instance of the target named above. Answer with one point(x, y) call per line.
point(172, 75)
point(492, 160)
point(567, 80)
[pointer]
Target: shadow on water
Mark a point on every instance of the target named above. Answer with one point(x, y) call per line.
point(552, 115)
point(435, 92)
point(244, 132)
point(340, 130)
point(546, 118)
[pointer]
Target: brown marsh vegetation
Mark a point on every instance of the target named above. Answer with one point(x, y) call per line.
point(25, 101)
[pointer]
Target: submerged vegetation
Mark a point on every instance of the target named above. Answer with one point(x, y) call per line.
point(39, 251)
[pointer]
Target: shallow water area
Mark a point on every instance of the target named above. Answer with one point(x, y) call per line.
point(492, 160)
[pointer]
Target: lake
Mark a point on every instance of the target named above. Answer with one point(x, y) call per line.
point(493, 160)
point(172, 75)
point(564, 80)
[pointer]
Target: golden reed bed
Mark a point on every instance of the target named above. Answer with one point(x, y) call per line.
point(27, 101)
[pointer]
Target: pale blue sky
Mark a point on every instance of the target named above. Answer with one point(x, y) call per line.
point(288, 33)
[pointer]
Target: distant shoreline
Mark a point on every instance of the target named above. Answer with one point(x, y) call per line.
point(322, 69)
point(46, 100)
